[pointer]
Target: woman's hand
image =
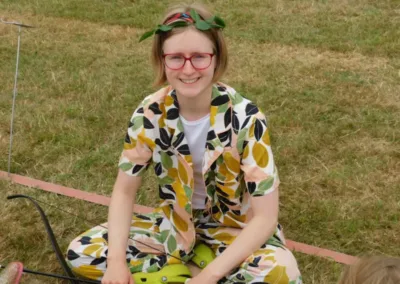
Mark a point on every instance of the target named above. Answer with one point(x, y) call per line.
point(117, 273)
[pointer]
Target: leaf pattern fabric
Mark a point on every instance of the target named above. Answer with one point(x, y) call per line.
point(238, 163)
point(238, 160)
point(272, 263)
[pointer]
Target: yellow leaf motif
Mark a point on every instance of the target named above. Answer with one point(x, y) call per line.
point(265, 138)
point(143, 225)
point(260, 155)
point(214, 111)
point(224, 237)
point(91, 249)
point(182, 173)
point(179, 223)
point(277, 275)
point(90, 271)
point(128, 146)
point(232, 164)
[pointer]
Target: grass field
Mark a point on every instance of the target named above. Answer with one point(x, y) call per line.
point(326, 73)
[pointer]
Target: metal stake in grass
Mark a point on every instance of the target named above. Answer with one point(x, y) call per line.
point(20, 25)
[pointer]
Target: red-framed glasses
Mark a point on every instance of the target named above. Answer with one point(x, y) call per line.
point(199, 61)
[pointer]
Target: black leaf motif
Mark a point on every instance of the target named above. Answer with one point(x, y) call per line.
point(211, 135)
point(159, 221)
point(235, 123)
point(155, 108)
point(162, 260)
point(258, 130)
point(133, 250)
point(165, 137)
point(245, 122)
point(161, 144)
point(127, 138)
point(251, 186)
point(137, 168)
point(143, 217)
point(141, 255)
point(224, 136)
point(251, 109)
point(85, 240)
point(220, 100)
point(228, 117)
point(210, 146)
point(172, 113)
point(221, 89)
point(165, 195)
point(179, 139)
point(147, 124)
point(140, 110)
point(130, 124)
point(158, 169)
point(221, 192)
point(184, 149)
point(71, 255)
point(97, 261)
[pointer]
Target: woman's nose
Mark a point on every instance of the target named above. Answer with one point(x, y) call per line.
point(188, 67)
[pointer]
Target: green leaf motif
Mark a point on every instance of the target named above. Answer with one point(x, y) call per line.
point(166, 160)
point(202, 25)
point(266, 184)
point(188, 208)
point(165, 180)
point(171, 244)
point(137, 122)
point(240, 140)
point(137, 268)
point(223, 108)
point(162, 237)
point(188, 191)
point(152, 268)
point(180, 125)
point(126, 166)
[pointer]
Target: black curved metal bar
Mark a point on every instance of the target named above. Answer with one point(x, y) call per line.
point(52, 238)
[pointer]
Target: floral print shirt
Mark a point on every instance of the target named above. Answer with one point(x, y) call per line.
point(238, 161)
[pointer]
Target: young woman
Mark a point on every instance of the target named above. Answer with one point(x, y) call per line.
point(211, 152)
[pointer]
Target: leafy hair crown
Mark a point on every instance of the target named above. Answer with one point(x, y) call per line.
point(184, 20)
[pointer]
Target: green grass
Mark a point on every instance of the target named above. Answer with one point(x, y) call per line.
point(325, 72)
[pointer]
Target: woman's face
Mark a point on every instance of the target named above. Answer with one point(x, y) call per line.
point(187, 81)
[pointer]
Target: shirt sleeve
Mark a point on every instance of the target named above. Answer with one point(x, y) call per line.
point(257, 161)
point(138, 146)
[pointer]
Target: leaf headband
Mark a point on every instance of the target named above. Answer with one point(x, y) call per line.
point(184, 20)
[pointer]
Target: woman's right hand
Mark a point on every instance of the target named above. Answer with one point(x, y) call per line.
point(117, 273)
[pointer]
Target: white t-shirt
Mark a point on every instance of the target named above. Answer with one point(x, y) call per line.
point(196, 135)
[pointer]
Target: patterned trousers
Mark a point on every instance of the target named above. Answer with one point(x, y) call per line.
point(272, 263)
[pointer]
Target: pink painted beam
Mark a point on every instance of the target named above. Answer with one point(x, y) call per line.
point(321, 252)
point(104, 200)
point(70, 192)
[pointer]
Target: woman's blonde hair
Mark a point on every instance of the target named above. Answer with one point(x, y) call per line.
point(214, 34)
point(373, 270)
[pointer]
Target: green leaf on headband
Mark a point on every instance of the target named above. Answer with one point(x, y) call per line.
point(202, 25)
point(219, 22)
point(211, 20)
point(179, 24)
point(194, 15)
point(146, 35)
point(164, 28)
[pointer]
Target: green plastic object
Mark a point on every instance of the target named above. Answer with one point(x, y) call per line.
point(203, 255)
point(174, 273)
